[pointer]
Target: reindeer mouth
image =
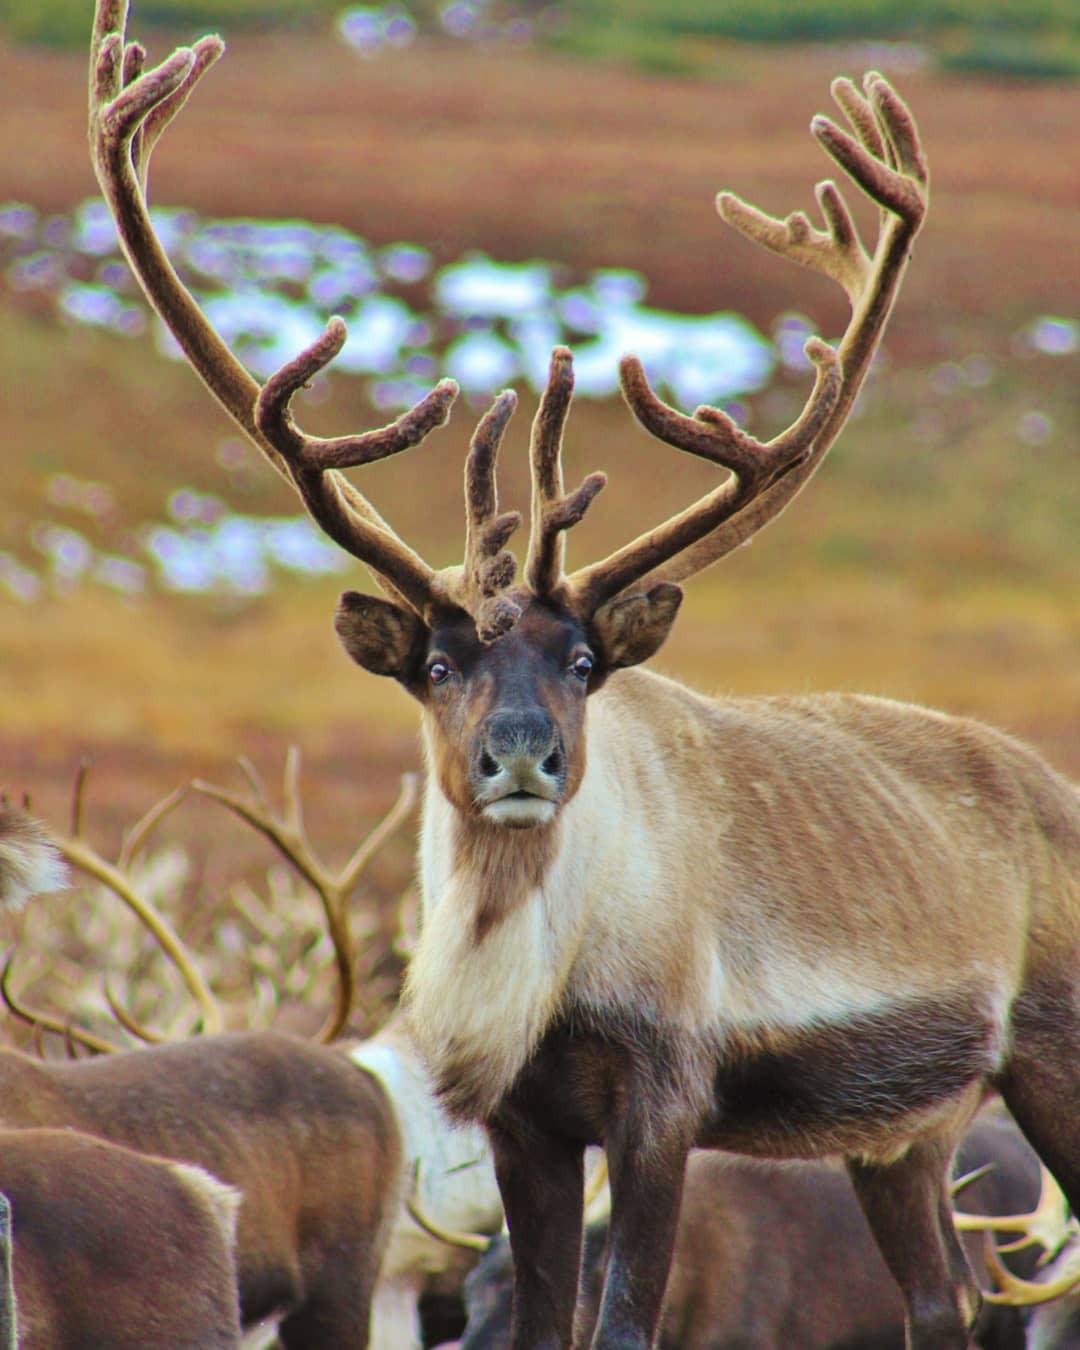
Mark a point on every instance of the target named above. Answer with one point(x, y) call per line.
point(520, 810)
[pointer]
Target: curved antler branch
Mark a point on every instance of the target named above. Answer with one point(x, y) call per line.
point(470, 1242)
point(712, 435)
point(88, 860)
point(79, 853)
point(45, 1021)
point(127, 1020)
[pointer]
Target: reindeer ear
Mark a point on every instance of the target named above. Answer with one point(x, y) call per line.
point(384, 638)
point(630, 629)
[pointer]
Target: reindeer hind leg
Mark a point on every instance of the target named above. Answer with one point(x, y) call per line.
point(907, 1206)
point(1041, 1079)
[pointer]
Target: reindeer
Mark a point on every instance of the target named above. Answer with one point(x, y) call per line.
point(324, 1142)
point(790, 927)
point(111, 1247)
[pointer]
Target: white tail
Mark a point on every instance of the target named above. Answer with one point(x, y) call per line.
point(30, 863)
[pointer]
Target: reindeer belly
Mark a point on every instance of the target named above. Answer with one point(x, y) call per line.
point(840, 1086)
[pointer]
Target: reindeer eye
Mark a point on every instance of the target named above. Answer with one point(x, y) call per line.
point(582, 667)
point(438, 672)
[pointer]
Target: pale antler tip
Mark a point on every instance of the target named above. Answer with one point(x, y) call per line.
point(820, 352)
point(111, 46)
point(336, 330)
point(821, 125)
point(630, 366)
point(727, 202)
point(213, 44)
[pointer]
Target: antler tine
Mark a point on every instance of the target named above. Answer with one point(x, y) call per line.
point(471, 1242)
point(1015, 1292)
point(389, 825)
point(78, 792)
point(489, 566)
point(885, 160)
point(127, 1020)
point(130, 107)
point(44, 1021)
point(137, 835)
point(552, 513)
point(294, 806)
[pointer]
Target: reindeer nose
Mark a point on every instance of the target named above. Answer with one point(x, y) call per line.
point(520, 741)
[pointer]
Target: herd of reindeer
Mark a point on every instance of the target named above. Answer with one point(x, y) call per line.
point(806, 969)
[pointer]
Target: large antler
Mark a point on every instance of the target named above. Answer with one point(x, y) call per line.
point(885, 160)
point(129, 109)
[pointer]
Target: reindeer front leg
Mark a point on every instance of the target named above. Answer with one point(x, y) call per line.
point(541, 1180)
point(646, 1167)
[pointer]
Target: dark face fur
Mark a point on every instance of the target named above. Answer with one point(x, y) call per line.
point(509, 715)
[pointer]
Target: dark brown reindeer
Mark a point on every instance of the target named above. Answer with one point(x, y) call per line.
point(788, 926)
point(112, 1247)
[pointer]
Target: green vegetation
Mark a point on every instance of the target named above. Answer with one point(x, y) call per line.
point(822, 20)
point(1036, 40)
point(66, 23)
point(1014, 57)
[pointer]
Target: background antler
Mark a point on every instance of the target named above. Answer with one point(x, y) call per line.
point(287, 943)
point(1049, 1226)
point(886, 162)
point(286, 832)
